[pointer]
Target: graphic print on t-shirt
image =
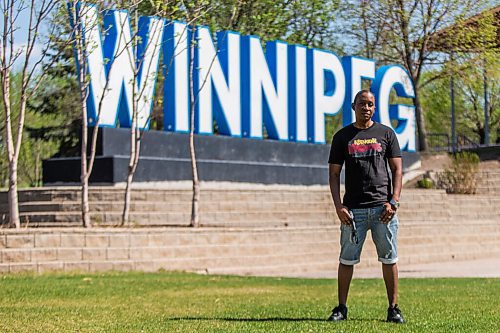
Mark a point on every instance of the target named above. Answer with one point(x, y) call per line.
point(364, 147)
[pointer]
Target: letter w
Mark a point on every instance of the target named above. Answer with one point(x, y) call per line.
point(122, 69)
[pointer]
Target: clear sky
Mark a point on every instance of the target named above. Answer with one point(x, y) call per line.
point(21, 26)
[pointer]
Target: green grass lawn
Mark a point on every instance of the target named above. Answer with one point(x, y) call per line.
point(179, 302)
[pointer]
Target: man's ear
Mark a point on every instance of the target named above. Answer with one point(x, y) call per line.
point(352, 106)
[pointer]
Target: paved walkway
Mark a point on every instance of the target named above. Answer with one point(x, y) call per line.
point(473, 269)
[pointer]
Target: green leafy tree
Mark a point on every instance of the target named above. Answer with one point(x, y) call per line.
point(19, 42)
point(469, 100)
point(410, 32)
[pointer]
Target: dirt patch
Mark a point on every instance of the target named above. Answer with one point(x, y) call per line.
point(434, 161)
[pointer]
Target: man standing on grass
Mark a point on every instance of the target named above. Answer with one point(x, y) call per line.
point(366, 147)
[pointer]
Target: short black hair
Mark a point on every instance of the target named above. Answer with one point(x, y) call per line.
point(361, 92)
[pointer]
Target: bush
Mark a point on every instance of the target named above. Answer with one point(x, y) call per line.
point(462, 176)
point(425, 183)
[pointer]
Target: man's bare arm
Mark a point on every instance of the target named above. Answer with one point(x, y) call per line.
point(342, 211)
point(396, 165)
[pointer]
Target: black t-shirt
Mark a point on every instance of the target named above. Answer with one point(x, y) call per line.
point(365, 153)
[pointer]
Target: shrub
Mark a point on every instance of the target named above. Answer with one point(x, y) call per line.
point(461, 176)
point(425, 183)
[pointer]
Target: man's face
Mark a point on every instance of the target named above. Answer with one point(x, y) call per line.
point(364, 107)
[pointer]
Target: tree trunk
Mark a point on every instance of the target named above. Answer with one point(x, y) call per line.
point(130, 175)
point(132, 166)
point(85, 203)
point(126, 206)
point(11, 152)
point(481, 130)
point(422, 132)
point(85, 175)
point(84, 86)
point(13, 199)
point(195, 219)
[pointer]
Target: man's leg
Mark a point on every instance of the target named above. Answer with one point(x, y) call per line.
point(344, 281)
point(350, 252)
point(390, 273)
point(385, 237)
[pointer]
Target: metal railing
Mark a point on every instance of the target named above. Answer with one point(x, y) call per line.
point(463, 142)
point(442, 142)
point(438, 142)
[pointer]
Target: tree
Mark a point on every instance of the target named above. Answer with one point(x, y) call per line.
point(306, 22)
point(57, 111)
point(15, 102)
point(136, 68)
point(402, 31)
point(469, 100)
point(144, 72)
point(85, 21)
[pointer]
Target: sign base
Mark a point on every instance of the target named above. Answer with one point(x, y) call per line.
point(164, 156)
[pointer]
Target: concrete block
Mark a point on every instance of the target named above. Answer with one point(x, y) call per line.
point(117, 253)
point(47, 254)
point(46, 267)
point(96, 240)
point(139, 240)
point(119, 240)
point(145, 266)
point(101, 266)
point(76, 266)
point(3, 241)
point(187, 239)
point(47, 240)
point(4, 268)
point(20, 241)
point(157, 239)
point(17, 268)
point(93, 254)
point(167, 252)
point(72, 240)
point(16, 255)
point(69, 254)
point(143, 253)
point(123, 265)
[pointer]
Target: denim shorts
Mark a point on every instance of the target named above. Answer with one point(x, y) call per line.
point(385, 236)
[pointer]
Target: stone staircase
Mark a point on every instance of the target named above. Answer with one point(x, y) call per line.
point(259, 207)
point(258, 230)
point(221, 207)
point(489, 182)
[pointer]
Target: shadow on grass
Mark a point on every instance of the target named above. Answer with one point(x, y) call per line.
point(270, 319)
point(244, 319)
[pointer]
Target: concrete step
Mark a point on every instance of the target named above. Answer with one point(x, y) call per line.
point(433, 227)
point(50, 219)
point(258, 251)
point(234, 211)
point(251, 219)
point(205, 206)
point(165, 195)
point(230, 205)
point(444, 243)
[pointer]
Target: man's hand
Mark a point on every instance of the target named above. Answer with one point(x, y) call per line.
point(344, 216)
point(387, 214)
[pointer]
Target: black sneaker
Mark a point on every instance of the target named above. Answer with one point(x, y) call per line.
point(394, 315)
point(338, 313)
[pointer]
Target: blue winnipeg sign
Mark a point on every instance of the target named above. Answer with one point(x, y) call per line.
point(288, 89)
